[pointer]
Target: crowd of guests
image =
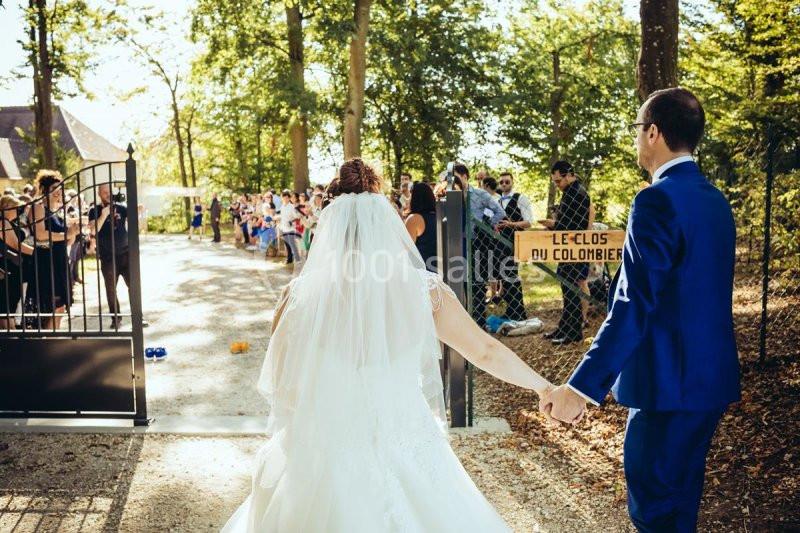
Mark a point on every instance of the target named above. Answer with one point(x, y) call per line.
point(45, 231)
point(285, 223)
point(499, 211)
point(274, 222)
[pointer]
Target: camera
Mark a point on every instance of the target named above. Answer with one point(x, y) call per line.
point(118, 197)
point(450, 175)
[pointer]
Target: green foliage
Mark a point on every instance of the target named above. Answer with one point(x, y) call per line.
point(742, 60)
point(431, 74)
point(442, 75)
point(67, 161)
point(172, 221)
point(76, 29)
point(569, 92)
point(246, 94)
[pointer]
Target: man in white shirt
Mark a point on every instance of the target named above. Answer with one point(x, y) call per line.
point(518, 217)
point(507, 194)
point(286, 221)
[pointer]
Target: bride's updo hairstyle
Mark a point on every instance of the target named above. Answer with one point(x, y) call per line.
point(355, 176)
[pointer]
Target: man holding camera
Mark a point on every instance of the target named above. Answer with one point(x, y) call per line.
point(574, 214)
point(108, 228)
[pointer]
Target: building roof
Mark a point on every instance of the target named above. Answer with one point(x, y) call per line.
point(8, 161)
point(72, 135)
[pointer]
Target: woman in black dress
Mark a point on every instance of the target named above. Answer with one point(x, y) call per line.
point(421, 223)
point(13, 251)
point(51, 281)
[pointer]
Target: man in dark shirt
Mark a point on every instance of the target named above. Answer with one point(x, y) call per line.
point(216, 212)
point(108, 227)
point(572, 215)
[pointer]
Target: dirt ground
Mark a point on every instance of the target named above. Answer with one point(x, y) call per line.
point(154, 483)
point(753, 470)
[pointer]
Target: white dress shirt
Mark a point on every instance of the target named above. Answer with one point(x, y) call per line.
point(669, 164)
point(524, 205)
point(287, 217)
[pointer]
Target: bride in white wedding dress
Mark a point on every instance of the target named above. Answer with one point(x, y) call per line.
point(358, 439)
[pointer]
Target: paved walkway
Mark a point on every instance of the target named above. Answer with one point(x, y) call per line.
point(200, 297)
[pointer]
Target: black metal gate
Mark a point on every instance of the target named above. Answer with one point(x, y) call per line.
point(456, 371)
point(64, 353)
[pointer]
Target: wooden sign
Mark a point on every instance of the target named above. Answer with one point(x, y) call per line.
point(568, 246)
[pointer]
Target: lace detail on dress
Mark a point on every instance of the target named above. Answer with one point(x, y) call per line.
point(435, 285)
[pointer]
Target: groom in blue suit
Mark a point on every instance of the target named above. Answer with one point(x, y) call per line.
point(666, 349)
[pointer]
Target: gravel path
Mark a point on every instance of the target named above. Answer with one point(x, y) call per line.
point(200, 297)
point(144, 483)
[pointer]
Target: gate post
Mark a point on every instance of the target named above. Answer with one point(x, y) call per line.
point(451, 243)
point(136, 290)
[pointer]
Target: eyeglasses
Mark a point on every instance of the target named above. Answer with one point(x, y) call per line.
point(633, 127)
point(505, 182)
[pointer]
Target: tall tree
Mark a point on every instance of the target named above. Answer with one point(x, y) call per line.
point(190, 112)
point(568, 81)
point(172, 81)
point(354, 110)
point(249, 92)
point(430, 81)
point(658, 56)
point(42, 84)
point(61, 37)
point(298, 124)
point(256, 52)
point(740, 58)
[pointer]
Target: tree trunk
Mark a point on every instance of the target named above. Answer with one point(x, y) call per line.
point(658, 57)
point(298, 125)
point(176, 121)
point(398, 159)
point(189, 141)
point(259, 158)
point(356, 79)
point(43, 88)
point(556, 98)
point(238, 146)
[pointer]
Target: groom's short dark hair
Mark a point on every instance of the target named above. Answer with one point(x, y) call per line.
point(679, 117)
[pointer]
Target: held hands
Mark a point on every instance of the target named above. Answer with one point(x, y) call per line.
point(562, 404)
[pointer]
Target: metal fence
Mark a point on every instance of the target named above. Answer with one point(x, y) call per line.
point(549, 312)
point(545, 311)
point(64, 352)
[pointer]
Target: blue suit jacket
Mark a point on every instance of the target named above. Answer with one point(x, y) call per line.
point(668, 342)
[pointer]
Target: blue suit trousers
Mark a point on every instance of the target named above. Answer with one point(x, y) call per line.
point(665, 459)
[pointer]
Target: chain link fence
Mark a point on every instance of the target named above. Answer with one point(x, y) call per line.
point(767, 289)
point(549, 311)
point(546, 311)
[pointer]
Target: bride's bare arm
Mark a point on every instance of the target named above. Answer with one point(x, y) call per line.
point(458, 330)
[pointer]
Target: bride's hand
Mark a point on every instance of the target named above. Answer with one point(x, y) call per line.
point(544, 392)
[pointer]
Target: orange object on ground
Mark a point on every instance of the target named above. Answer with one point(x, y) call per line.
point(240, 347)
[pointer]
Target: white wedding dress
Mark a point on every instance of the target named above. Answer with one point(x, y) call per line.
point(358, 439)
